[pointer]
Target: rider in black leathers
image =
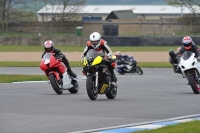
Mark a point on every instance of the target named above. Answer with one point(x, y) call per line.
point(188, 45)
point(49, 47)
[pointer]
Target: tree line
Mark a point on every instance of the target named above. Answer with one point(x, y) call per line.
point(18, 11)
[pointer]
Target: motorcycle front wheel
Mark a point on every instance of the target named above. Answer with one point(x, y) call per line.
point(92, 91)
point(138, 70)
point(194, 83)
point(56, 85)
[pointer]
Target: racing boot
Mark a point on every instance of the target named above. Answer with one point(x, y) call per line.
point(69, 70)
point(71, 73)
point(114, 79)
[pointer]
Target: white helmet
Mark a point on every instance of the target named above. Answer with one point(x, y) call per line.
point(95, 39)
point(48, 46)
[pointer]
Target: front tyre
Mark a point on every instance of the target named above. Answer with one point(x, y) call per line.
point(90, 86)
point(56, 85)
point(194, 83)
point(138, 70)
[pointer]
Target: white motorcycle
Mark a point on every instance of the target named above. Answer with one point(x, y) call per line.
point(190, 68)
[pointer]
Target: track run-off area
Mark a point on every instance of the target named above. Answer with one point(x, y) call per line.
point(31, 107)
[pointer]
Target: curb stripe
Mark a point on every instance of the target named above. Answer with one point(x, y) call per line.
point(146, 127)
point(129, 128)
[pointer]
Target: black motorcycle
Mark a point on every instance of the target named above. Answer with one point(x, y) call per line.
point(98, 76)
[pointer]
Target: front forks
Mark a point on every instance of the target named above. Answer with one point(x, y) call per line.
point(196, 75)
point(96, 81)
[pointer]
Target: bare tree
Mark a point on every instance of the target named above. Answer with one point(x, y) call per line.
point(193, 6)
point(10, 11)
point(34, 5)
point(69, 10)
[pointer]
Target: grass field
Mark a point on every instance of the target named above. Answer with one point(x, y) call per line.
point(187, 127)
point(77, 64)
point(5, 78)
point(24, 48)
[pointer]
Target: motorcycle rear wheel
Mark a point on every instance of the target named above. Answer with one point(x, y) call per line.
point(193, 83)
point(55, 84)
point(90, 86)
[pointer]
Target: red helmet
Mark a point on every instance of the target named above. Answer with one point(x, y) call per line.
point(187, 42)
point(48, 46)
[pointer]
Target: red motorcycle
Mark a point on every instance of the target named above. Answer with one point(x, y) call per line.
point(56, 72)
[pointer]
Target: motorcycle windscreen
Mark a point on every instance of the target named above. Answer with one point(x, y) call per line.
point(91, 55)
point(47, 56)
point(187, 54)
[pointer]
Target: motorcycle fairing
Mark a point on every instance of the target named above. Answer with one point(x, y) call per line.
point(97, 60)
point(56, 75)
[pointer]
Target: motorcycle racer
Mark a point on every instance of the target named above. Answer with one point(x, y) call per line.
point(49, 48)
point(122, 60)
point(188, 45)
point(97, 43)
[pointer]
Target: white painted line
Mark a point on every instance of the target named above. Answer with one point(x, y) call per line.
point(100, 130)
point(30, 82)
point(150, 126)
point(78, 79)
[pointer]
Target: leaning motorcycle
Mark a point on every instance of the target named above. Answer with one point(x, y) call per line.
point(98, 79)
point(190, 68)
point(56, 72)
point(129, 66)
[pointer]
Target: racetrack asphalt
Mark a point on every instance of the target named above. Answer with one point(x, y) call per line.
point(34, 107)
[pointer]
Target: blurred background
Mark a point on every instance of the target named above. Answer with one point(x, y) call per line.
point(121, 22)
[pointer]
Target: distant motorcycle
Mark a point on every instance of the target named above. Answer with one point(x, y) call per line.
point(56, 72)
point(129, 66)
point(190, 68)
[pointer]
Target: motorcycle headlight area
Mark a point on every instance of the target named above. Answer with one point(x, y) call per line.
point(193, 63)
point(182, 67)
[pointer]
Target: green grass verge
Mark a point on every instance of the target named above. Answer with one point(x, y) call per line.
point(7, 78)
point(22, 48)
point(186, 127)
point(77, 64)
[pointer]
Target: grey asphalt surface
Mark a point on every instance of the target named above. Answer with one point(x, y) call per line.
point(34, 107)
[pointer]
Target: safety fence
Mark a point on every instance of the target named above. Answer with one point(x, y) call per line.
point(112, 41)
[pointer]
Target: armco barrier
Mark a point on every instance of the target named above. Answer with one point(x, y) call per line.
point(123, 41)
point(112, 41)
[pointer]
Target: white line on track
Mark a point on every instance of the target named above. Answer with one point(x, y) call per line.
point(79, 79)
point(101, 130)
